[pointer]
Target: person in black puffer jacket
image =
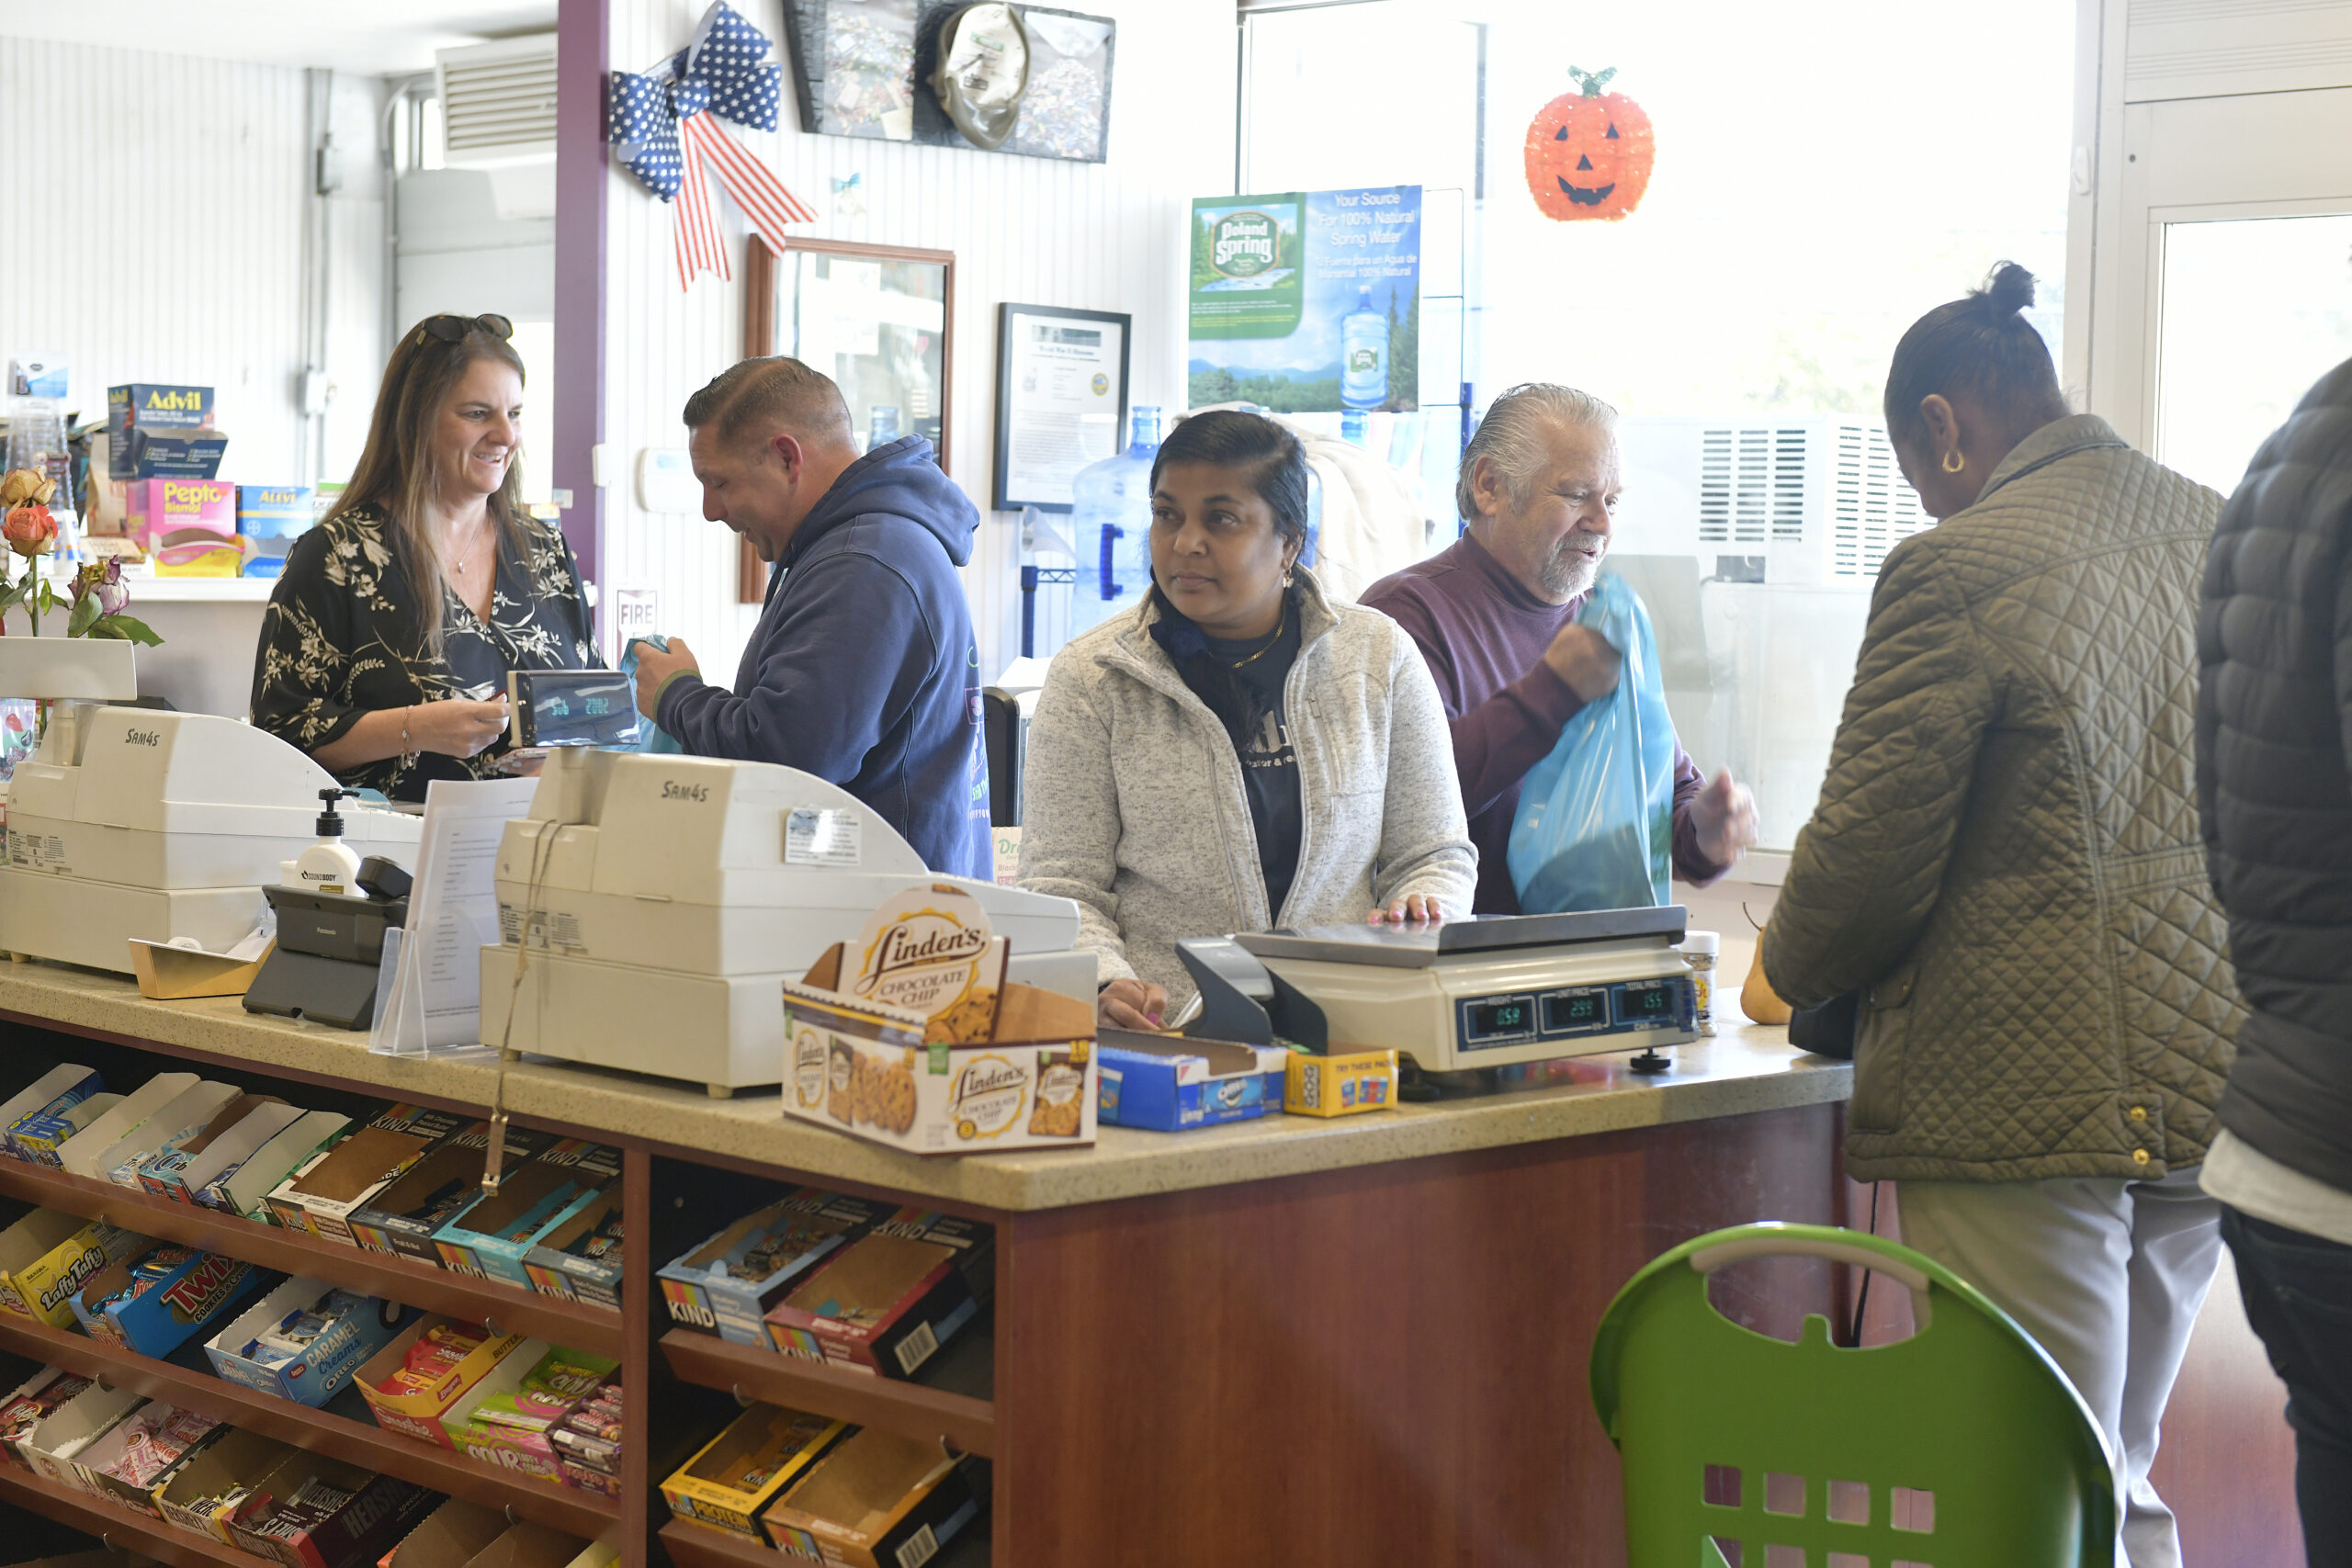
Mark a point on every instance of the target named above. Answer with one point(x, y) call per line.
point(2274, 793)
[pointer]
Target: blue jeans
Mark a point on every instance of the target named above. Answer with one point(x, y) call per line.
point(2298, 1291)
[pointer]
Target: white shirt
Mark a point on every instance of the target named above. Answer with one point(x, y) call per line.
point(2254, 1183)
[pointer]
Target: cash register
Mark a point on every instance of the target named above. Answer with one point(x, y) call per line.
point(651, 906)
point(1458, 996)
point(157, 825)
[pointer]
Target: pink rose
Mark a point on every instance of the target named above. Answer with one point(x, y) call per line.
point(29, 530)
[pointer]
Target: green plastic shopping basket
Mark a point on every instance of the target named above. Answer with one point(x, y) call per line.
point(1960, 1447)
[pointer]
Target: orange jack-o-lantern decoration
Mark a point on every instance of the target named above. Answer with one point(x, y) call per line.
point(1589, 152)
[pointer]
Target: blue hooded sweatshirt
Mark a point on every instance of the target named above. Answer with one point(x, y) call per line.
point(862, 670)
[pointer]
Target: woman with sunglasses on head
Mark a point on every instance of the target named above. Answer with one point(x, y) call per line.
point(386, 647)
point(1241, 752)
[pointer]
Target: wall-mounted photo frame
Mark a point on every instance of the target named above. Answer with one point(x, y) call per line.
point(878, 319)
point(1061, 399)
point(864, 71)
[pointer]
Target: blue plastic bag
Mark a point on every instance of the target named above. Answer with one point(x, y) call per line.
point(1596, 818)
point(651, 736)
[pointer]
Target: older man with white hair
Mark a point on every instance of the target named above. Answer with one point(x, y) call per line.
point(1495, 616)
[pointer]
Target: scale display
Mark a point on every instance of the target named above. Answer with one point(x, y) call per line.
point(1627, 1007)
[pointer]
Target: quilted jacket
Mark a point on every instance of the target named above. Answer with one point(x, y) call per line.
point(2006, 856)
point(2274, 719)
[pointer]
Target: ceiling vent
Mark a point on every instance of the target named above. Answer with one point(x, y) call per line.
point(498, 115)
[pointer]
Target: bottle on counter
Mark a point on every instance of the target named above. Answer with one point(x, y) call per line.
point(330, 866)
point(1111, 526)
point(1700, 951)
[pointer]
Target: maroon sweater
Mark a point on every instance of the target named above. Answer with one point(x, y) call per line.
point(1484, 637)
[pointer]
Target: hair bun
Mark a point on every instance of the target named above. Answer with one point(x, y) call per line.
point(2008, 290)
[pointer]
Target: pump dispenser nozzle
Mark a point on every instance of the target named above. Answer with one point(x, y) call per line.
point(330, 824)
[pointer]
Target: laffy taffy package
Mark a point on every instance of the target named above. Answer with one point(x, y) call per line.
point(882, 1071)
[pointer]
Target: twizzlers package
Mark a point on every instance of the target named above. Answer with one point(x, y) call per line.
point(912, 1036)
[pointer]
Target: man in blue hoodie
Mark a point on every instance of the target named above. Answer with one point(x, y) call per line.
point(862, 668)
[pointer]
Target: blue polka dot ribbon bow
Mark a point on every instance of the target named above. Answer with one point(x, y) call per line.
point(663, 127)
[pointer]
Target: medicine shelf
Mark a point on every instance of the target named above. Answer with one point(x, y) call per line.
point(953, 1400)
point(119, 1526)
point(576, 1326)
point(699, 1545)
point(583, 1514)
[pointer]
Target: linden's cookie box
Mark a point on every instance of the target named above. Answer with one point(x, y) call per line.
point(911, 1037)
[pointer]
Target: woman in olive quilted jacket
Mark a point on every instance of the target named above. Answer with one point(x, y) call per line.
point(2006, 862)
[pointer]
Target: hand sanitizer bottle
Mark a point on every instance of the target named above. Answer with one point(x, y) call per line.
point(330, 866)
point(1363, 355)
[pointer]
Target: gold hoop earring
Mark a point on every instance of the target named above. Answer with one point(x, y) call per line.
point(1954, 462)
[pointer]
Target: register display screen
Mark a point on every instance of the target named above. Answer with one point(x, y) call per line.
point(573, 708)
point(1503, 1018)
point(1657, 1002)
point(1575, 1012)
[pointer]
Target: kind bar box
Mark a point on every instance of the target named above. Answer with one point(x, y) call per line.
point(189, 525)
point(152, 1304)
point(1172, 1085)
point(212, 1484)
point(735, 1475)
point(304, 1340)
point(45, 1286)
point(1341, 1084)
point(726, 1285)
point(412, 1383)
point(332, 1185)
point(580, 1258)
point(152, 406)
point(269, 519)
point(48, 1390)
point(236, 1130)
point(877, 1500)
point(893, 1298)
point(322, 1513)
point(242, 1183)
point(491, 1239)
point(60, 1088)
point(443, 1184)
point(864, 1051)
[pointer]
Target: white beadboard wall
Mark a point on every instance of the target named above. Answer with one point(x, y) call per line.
point(169, 196)
point(1105, 237)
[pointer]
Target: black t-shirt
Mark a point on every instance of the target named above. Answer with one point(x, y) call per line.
point(1269, 762)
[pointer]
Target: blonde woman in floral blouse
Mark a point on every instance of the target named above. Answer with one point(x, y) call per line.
point(385, 648)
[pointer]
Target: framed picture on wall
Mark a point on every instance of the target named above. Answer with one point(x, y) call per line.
point(1061, 399)
point(877, 319)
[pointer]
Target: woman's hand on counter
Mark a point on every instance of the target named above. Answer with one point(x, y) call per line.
point(1416, 910)
point(455, 727)
point(1130, 1004)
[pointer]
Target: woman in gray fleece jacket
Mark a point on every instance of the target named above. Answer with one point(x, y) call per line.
point(1240, 751)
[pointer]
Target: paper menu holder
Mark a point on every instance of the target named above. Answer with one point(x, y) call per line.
point(428, 993)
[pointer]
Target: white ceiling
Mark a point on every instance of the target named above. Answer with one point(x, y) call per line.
point(369, 36)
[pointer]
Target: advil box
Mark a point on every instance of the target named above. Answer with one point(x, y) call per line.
point(197, 1290)
point(269, 519)
point(326, 1364)
point(726, 1285)
point(46, 1287)
point(888, 1303)
point(189, 526)
point(149, 405)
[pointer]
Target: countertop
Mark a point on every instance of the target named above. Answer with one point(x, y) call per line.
point(1745, 1068)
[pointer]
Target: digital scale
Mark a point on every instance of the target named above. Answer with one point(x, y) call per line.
point(1491, 991)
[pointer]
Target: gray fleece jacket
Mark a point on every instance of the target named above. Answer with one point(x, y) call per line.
point(1133, 805)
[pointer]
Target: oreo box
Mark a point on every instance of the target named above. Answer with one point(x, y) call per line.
point(892, 1297)
point(356, 1328)
point(46, 1258)
point(444, 1183)
point(726, 1285)
point(192, 1290)
point(60, 1088)
point(489, 1239)
point(580, 1258)
point(1172, 1085)
point(322, 1196)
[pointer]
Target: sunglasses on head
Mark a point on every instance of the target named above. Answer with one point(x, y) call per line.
point(453, 329)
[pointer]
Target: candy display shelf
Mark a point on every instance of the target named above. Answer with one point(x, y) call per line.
point(950, 1401)
point(583, 1514)
point(696, 1546)
point(573, 1324)
point(120, 1527)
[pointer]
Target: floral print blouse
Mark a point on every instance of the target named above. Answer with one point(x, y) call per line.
point(341, 637)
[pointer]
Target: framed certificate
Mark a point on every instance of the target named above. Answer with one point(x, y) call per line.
point(1061, 399)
